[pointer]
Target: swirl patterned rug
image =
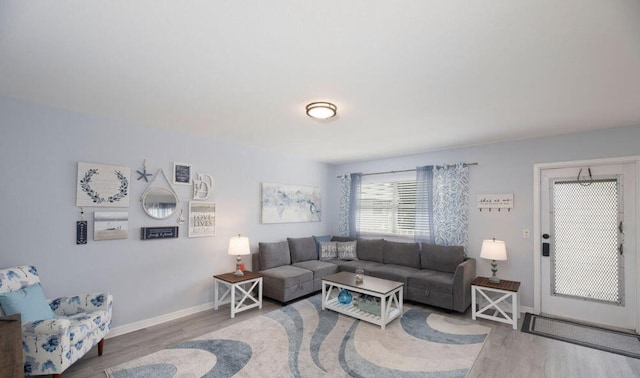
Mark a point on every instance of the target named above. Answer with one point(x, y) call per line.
point(301, 340)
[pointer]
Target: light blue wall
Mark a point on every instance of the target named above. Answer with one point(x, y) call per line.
point(39, 151)
point(508, 168)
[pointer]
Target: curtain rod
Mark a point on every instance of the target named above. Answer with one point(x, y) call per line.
point(413, 170)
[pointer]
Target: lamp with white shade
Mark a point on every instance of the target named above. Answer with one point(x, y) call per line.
point(494, 250)
point(239, 245)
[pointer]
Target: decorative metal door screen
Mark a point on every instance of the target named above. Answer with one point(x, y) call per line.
point(587, 260)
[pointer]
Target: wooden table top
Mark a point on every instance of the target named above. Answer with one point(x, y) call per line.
point(377, 285)
point(229, 277)
point(502, 285)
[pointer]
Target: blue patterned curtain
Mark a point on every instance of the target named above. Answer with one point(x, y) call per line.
point(451, 205)
point(345, 197)
point(423, 228)
point(354, 207)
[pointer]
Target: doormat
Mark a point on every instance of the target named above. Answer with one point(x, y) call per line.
point(626, 344)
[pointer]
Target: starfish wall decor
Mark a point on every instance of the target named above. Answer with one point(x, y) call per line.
point(144, 175)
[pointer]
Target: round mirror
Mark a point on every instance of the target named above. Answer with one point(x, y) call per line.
point(159, 203)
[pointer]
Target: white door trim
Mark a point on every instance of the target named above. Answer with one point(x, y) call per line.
point(537, 244)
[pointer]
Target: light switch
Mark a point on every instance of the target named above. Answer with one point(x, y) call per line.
point(525, 233)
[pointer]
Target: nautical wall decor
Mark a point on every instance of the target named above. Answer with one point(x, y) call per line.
point(102, 185)
point(290, 203)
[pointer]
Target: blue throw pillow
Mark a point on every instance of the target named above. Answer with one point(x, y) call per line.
point(319, 239)
point(29, 302)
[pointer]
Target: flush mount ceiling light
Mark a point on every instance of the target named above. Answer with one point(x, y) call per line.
point(321, 110)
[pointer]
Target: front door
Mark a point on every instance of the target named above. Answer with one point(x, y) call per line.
point(588, 232)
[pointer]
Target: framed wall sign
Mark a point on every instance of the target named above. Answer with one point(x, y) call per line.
point(202, 219)
point(154, 233)
point(102, 185)
point(181, 173)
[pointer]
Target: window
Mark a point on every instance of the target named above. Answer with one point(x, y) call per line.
point(388, 208)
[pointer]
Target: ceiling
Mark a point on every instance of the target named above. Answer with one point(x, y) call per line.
point(407, 76)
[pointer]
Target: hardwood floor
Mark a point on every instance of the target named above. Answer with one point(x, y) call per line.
point(506, 353)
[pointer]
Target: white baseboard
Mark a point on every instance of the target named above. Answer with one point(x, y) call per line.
point(121, 330)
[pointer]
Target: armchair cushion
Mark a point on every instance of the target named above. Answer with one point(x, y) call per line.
point(28, 301)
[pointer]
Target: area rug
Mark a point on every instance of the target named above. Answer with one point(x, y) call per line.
point(302, 340)
point(626, 344)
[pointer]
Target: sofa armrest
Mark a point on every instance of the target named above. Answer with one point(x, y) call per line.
point(81, 303)
point(465, 273)
point(49, 327)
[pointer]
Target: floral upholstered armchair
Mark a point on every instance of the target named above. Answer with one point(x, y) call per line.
point(55, 333)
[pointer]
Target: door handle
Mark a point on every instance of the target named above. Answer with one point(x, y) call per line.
point(545, 246)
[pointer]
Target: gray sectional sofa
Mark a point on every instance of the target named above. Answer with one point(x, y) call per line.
point(433, 275)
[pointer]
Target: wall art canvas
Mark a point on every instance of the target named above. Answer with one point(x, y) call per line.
point(202, 219)
point(110, 225)
point(102, 185)
point(290, 203)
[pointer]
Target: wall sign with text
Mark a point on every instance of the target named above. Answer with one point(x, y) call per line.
point(494, 201)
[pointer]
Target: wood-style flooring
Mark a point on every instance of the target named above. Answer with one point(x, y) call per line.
point(507, 353)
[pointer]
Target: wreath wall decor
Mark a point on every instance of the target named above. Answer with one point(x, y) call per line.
point(102, 185)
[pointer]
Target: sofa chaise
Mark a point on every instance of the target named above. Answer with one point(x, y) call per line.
point(434, 275)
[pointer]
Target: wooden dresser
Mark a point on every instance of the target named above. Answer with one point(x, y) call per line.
point(11, 346)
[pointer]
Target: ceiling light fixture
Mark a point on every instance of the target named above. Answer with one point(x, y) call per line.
point(321, 110)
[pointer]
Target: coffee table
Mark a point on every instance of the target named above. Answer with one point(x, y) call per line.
point(389, 293)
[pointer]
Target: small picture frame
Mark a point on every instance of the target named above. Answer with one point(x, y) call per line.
point(181, 174)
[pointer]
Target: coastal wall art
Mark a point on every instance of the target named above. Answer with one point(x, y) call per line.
point(290, 203)
point(109, 225)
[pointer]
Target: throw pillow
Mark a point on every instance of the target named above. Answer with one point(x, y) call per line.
point(28, 301)
point(347, 250)
point(318, 239)
point(328, 251)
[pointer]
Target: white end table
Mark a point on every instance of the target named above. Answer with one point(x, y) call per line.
point(495, 293)
point(243, 286)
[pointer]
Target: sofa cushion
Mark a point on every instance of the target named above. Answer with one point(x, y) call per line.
point(370, 249)
point(274, 254)
point(351, 266)
point(342, 239)
point(432, 280)
point(441, 258)
point(347, 250)
point(286, 276)
point(398, 273)
point(328, 250)
point(29, 302)
point(407, 254)
point(319, 239)
point(302, 249)
point(319, 268)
